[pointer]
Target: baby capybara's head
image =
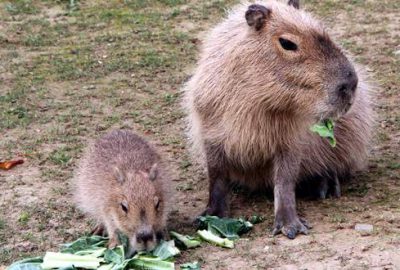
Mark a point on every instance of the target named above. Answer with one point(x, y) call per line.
point(292, 55)
point(138, 208)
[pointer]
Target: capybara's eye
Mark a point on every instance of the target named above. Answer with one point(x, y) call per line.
point(287, 44)
point(124, 207)
point(157, 205)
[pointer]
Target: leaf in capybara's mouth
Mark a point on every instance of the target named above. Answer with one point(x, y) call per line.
point(325, 130)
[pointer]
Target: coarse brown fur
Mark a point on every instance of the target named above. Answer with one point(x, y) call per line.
point(122, 183)
point(251, 103)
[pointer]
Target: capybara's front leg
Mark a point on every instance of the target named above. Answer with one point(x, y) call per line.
point(112, 234)
point(286, 167)
point(219, 190)
point(99, 230)
point(219, 183)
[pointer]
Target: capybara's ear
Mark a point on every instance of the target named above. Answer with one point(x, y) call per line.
point(153, 172)
point(257, 15)
point(119, 175)
point(294, 3)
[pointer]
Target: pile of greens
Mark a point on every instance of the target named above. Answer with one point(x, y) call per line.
point(91, 252)
point(325, 130)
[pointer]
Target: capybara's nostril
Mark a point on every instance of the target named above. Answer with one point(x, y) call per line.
point(342, 88)
point(348, 86)
point(349, 82)
point(144, 237)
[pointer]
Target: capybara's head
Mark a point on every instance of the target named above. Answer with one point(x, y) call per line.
point(292, 54)
point(138, 208)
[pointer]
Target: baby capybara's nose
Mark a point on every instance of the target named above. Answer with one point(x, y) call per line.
point(144, 237)
point(348, 84)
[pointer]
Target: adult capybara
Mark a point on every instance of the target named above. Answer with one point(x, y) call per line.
point(266, 74)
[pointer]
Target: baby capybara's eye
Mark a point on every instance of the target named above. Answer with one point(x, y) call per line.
point(124, 207)
point(157, 205)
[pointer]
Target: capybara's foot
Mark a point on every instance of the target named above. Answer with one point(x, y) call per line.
point(290, 227)
point(113, 242)
point(99, 230)
point(210, 212)
point(214, 211)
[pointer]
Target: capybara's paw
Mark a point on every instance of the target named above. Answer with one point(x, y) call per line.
point(113, 242)
point(99, 230)
point(292, 228)
point(213, 211)
point(209, 212)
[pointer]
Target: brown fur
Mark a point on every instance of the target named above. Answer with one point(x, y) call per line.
point(122, 168)
point(251, 103)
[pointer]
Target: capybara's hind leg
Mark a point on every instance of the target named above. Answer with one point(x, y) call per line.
point(329, 185)
point(336, 192)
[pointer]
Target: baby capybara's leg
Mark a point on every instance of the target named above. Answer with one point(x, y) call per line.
point(99, 230)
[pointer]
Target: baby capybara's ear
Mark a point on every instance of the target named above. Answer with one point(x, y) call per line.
point(294, 3)
point(256, 16)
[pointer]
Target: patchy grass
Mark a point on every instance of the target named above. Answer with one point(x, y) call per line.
point(72, 73)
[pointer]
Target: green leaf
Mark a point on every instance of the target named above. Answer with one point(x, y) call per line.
point(124, 240)
point(150, 263)
point(95, 252)
point(230, 228)
point(191, 266)
point(115, 255)
point(166, 250)
point(254, 219)
point(215, 239)
point(84, 243)
point(106, 266)
point(66, 260)
point(27, 264)
point(185, 240)
point(325, 130)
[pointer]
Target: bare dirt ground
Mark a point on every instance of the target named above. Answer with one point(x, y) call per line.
point(71, 73)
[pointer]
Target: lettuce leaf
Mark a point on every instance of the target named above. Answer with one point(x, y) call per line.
point(185, 241)
point(325, 130)
point(230, 228)
point(27, 264)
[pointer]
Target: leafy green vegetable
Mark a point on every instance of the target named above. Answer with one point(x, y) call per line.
point(115, 255)
point(124, 240)
point(325, 130)
point(90, 252)
point(96, 252)
point(166, 250)
point(62, 260)
point(27, 264)
point(254, 219)
point(150, 263)
point(191, 266)
point(215, 239)
point(185, 240)
point(228, 227)
point(84, 243)
point(106, 267)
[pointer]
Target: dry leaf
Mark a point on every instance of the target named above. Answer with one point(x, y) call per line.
point(6, 165)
